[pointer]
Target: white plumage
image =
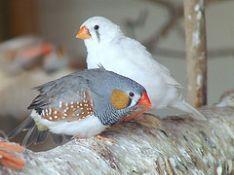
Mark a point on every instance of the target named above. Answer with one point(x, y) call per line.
point(87, 127)
point(107, 46)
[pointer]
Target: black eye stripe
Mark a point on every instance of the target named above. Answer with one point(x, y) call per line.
point(96, 27)
point(129, 103)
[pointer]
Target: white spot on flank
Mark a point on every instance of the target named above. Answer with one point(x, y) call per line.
point(55, 112)
point(55, 116)
point(87, 127)
point(50, 111)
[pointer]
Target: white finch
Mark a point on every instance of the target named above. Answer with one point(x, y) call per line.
point(108, 46)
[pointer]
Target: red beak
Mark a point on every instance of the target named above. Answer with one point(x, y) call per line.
point(143, 104)
point(145, 101)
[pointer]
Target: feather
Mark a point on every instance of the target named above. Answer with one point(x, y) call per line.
point(29, 137)
point(100, 66)
point(25, 125)
point(42, 136)
point(184, 106)
point(32, 136)
point(57, 138)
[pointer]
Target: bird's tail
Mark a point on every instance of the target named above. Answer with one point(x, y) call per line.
point(32, 136)
point(186, 107)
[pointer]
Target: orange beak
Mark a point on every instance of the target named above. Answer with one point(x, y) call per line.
point(145, 101)
point(83, 33)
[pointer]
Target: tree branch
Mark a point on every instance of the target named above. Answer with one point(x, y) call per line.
point(171, 146)
point(196, 52)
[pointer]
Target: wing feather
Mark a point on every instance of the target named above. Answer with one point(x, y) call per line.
point(65, 98)
point(141, 52)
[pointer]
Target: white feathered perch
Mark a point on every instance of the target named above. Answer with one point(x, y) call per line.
point(171, 146)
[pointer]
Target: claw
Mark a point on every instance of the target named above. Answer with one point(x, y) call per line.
point(105, 139)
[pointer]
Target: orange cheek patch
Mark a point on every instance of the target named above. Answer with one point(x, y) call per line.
point(119, 99)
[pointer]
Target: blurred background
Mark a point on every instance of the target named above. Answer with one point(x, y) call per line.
point(38, 43)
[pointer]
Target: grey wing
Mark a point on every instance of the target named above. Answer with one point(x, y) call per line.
point(65, 98)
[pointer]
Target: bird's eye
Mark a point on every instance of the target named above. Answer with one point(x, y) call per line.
point(96, 27)
point(131, 94)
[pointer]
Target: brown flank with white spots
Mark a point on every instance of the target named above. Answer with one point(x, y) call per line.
point(69, 111)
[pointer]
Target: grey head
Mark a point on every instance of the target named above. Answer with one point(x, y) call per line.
point(114, 96)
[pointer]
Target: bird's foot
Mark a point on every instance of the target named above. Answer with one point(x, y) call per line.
point(149, 121)
point(8, 155)
point(105, 139)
